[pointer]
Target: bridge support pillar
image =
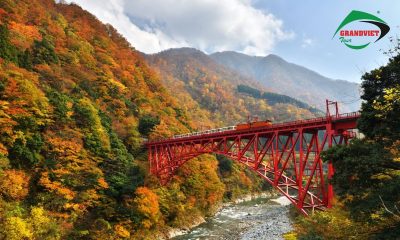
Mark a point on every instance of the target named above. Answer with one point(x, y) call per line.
point(331, 171)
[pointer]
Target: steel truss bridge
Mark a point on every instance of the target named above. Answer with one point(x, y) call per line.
point(287, 155)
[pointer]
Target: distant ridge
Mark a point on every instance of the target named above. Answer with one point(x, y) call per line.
point(280, 76)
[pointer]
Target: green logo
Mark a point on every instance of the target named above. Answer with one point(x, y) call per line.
point(356, 37)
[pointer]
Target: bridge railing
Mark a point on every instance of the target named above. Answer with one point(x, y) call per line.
point(346, 115)
point(215, 130)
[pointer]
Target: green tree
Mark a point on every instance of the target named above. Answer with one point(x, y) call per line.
point(87, 117)
point(25, 59)
point(7, 51)
point(147, 123)
point(62, 105)
point(367, 176)
point(225, 165)
point(43, 52)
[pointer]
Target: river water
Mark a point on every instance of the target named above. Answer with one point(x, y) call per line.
point(261, 218)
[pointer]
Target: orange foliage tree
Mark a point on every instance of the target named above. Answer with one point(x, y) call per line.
point(147, 207)
point(14, 184)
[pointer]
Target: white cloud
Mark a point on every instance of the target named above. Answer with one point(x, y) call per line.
point(209, 25)
point(307, 42)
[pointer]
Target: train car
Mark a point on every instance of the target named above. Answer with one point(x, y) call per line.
point(257, 124)
point(242, 126)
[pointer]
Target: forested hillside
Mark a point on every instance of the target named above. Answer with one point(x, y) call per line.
point(274, 98)
point(76, 104)
point(193, 77)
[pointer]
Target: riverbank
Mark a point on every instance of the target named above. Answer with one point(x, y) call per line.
point(251, 217)
point(175, 232)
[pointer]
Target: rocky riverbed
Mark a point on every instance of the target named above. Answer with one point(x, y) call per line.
point(261, 218)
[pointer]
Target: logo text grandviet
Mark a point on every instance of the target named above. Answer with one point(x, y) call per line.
point(357, 38)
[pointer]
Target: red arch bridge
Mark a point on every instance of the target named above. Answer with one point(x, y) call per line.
point(287, 155)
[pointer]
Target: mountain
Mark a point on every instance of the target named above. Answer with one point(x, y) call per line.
point(184, 58)
point(195, 78)
point(280, 76)
point(78, 102)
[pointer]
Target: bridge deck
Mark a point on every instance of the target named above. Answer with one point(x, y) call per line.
point(341, 121)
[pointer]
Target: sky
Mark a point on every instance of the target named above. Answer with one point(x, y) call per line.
point(298, 31)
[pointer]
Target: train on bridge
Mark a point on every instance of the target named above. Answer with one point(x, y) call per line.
point(240, 126)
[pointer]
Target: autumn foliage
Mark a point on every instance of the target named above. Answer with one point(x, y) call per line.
point(147, 207)
point(14, 184)
point(77, 102)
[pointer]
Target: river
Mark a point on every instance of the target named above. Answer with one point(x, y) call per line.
point(261, 218)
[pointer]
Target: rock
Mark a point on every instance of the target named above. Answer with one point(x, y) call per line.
point(174, 232)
